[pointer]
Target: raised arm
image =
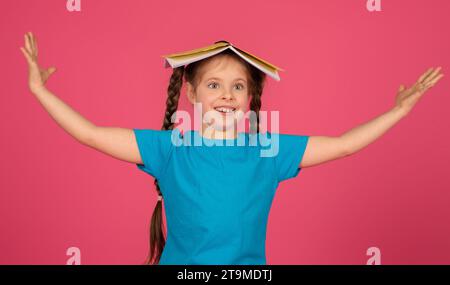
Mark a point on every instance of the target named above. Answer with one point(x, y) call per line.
point(116, 142)
point(321, 149)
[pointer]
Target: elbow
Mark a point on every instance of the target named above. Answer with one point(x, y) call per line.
point(89, 138)
point(345, 149)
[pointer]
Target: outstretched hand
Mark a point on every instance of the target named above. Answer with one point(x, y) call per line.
point(37, 76)
point(407, 98)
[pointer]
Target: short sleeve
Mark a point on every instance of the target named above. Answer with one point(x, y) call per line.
point(155, 148)
point(291, 149)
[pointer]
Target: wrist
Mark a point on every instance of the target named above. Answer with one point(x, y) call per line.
point(400, 111)
point(37, 89)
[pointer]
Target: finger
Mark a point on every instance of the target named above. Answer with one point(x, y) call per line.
point(46, 73)
point(435, 80)
point(51, 70)
point(401, 88)
point(25, 53)
point(30, 36)
point(422, 78)
point(27, 43)
point(35, 45)
point(418, 87)
point(432, 75)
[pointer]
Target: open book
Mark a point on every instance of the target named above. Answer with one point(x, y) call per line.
point(186, 57)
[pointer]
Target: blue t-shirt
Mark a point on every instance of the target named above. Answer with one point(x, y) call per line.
point(217, 198)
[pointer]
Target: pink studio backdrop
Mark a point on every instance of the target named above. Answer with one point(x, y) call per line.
point(343, 66)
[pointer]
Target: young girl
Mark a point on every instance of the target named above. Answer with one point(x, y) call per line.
point(217, 198)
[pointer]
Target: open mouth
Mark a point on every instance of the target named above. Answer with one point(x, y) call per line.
point(225, 110)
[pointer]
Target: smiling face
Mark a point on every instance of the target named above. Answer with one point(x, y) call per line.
point(223, 93)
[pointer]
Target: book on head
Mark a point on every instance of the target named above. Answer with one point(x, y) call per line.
point(183, 58)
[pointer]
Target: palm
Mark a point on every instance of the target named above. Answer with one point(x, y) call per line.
point(407, 98)
point(37, 76)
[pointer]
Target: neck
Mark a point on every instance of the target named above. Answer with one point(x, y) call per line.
point(211, 133)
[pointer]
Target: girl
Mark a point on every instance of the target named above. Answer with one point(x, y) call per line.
point(217, 199)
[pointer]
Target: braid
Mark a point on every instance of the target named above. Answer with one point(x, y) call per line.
point(255, 105)
point(157, 239)
point(176, 82)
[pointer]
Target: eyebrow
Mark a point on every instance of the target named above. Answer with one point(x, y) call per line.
point(216, 78)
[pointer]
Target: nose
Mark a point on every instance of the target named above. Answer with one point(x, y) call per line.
point(227, 95)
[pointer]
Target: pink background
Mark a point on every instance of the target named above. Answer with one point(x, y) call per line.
point(343, 66)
